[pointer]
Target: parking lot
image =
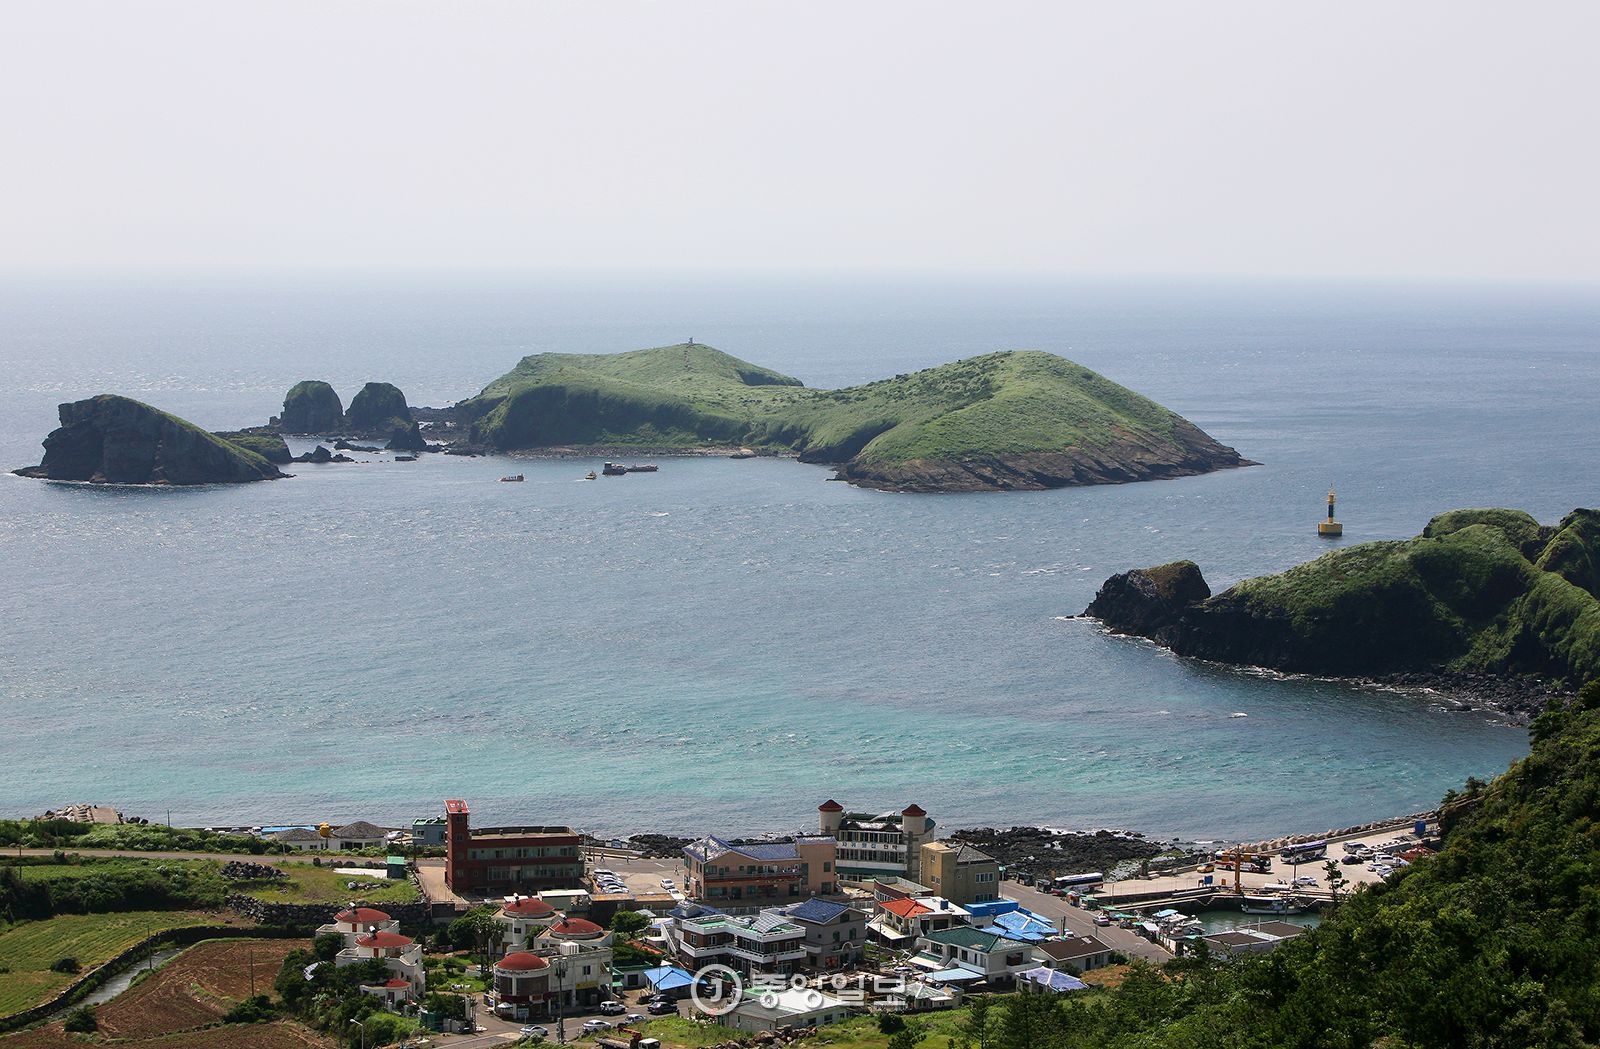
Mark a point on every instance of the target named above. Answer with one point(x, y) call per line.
point(637, 876)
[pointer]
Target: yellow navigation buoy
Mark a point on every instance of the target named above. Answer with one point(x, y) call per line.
point(1330, 528)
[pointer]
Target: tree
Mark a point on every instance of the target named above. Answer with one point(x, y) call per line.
point(475, 930)
point(908, 1036)
point(629, 923)
point(975, 1032)
point(1336, 882)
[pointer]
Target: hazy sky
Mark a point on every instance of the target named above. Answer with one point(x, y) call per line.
point(1409, 139)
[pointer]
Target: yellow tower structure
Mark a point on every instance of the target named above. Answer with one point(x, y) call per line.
point(1330, 528)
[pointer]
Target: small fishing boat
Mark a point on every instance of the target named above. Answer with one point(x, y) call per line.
point(1251, 903)
point(591, 475)
point(513, 477)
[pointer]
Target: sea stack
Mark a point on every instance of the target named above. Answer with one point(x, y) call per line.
point(311, 406)
point(377, 410)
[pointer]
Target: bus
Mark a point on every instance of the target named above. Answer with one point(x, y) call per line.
point(1228, 859)
point(1305, 852)
point(1079, 881)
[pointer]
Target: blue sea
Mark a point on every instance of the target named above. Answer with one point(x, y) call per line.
point(723, 645)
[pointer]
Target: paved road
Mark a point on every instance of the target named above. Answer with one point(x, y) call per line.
point(1081, 922)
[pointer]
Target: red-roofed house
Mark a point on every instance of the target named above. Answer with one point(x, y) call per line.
point(370, 933)
point(899, 922)
point(522, 918)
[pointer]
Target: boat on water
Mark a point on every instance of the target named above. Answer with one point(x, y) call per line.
point(1251, 903)
point(613, 469)
point(513, 477)
point(648, 468)
point(591, 475)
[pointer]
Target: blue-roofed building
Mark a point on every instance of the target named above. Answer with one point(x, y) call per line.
point(835, 932)
point(1022, 925)
point(669, 980)
point(718, 871)
point(1045, 979)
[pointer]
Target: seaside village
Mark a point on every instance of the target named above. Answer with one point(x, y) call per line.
point(872, 911)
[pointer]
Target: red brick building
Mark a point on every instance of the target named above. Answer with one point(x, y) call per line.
point(508, 859)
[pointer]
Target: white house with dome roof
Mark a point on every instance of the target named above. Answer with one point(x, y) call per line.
point(370, 933)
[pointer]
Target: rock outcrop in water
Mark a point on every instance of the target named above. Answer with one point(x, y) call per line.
point(407, 439)
point(1479, 592)
point(117, 440)
point(311, 406)
point(379, 408)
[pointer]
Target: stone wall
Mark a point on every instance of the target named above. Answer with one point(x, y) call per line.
point(305, 918)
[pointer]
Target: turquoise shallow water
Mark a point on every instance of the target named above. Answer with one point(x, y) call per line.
point(723, 645)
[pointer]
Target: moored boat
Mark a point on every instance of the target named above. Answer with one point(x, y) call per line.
point(1251, 903)
point(513, 477)
point(613, 469)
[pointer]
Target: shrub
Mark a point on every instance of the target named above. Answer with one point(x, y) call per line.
point(82, 1021)
point(66, 965)
point(251, 1010)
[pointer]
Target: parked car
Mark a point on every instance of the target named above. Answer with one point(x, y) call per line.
point(1101, 919)
point(612, 1008)
point(633, 1018)
point(662, 1009)
point(1306, 880)
point(592, 1026)
point(535, 1031)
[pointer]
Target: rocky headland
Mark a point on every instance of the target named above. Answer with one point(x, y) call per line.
point(1487, 608)
point(116, 440)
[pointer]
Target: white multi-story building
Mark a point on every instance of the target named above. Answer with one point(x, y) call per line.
point(881, 846)
point(767, 942)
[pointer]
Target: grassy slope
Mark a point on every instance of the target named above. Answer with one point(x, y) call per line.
point(998, 404)
point(255, 459)
point(309, 884)
point(1478, 591)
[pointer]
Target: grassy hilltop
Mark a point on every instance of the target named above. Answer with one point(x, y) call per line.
point(1478, 592)
point(1003, 420)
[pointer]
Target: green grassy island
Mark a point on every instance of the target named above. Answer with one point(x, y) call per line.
point(1479, 592)
point(1014, 420)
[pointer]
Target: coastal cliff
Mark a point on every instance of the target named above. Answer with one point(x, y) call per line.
point(1480, 592)
point(1003, 421)
point(117, 440)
